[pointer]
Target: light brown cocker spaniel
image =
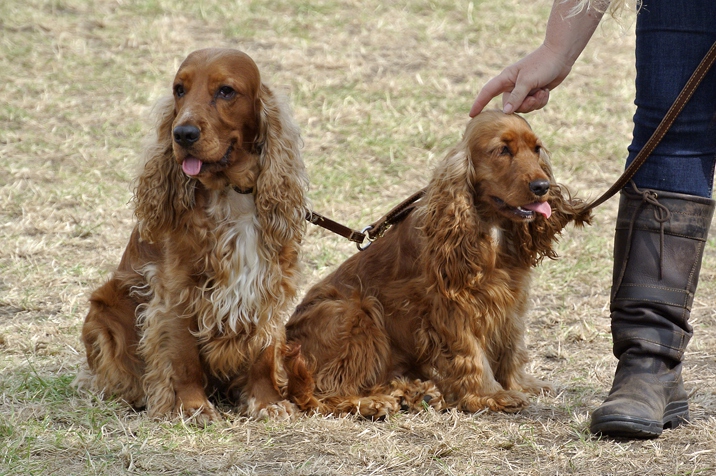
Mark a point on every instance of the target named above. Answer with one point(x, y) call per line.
point(433, 313)
point(198, 303)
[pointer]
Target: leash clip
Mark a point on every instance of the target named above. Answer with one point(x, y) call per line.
point(367, 235)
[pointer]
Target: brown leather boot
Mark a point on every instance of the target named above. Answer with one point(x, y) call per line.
point(658, 245)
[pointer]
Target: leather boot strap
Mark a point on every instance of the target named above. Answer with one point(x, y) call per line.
point(661, 216)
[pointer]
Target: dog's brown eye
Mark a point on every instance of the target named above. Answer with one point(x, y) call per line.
point(505, 151)
point(179, 90)
point(538, 149)
point(226, 92)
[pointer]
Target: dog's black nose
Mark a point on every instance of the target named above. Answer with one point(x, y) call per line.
point(186, 135)
point(539, 187)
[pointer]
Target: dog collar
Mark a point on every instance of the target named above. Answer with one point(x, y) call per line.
point(242, 191)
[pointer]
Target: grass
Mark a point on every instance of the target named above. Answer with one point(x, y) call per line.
point(381, 91)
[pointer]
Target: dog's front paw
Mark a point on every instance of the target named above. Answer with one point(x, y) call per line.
point(377, 406)
point(373, 406)
point(281, 410)
point(509, 401)
point(197, 413)
point(191, 405)
point(417, 395)
point(535, 386)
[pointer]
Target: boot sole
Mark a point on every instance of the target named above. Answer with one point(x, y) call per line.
point(624, 426)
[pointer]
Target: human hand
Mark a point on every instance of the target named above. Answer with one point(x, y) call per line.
point(525, 85)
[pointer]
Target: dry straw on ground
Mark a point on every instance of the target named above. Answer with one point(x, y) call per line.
point(381, 90)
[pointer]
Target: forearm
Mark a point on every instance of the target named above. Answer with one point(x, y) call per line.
point(567, 35)
point(526, 83)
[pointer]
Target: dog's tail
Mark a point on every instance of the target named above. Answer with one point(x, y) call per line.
point(300, 380)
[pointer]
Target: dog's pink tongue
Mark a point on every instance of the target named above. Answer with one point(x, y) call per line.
point(191, 166)
point(540, 207)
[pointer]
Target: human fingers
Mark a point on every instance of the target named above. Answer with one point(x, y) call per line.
point(513, 101)
point(499, 84)
point(535, 100)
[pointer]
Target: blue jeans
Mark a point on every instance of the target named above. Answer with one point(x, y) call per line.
point(672, 37)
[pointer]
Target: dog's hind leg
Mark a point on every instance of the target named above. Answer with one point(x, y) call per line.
point(344, 342)
point(110, 336)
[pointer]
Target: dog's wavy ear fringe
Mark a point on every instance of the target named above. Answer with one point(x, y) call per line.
point(456, 253)
point(282, 183)
point(539, 237)
point(162, 192)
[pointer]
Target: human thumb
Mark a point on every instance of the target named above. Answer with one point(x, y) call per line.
point(513, 100)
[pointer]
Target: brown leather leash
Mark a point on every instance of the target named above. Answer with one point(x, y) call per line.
point(662, 128)
point(375, 230)
point(330, 225)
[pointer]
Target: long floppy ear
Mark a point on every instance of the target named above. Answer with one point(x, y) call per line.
point(281, 187)
point(457, 252)
point(539, 236)
point(163, 192)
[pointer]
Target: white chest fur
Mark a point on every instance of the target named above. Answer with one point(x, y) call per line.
point(234, 291)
